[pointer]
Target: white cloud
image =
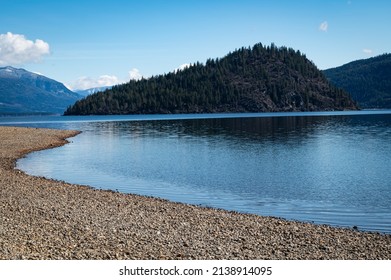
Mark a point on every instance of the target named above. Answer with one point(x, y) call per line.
point(104, 80)
point(15, 49)
point(367, 51)
point(135, 74)
point(324, 26)
point(182, 67)
point(87, 82)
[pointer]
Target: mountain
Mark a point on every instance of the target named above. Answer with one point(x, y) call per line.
point(89, 91)
point(22, 91)
point(256, 79)
point(367, 80)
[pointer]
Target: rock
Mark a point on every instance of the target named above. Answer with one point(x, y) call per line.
point(48, 219)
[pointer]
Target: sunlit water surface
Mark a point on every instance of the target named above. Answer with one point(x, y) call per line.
point(328, 169)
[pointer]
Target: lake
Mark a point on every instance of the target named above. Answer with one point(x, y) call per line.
point(327, 168)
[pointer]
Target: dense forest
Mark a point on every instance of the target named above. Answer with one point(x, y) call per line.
point(257, 79)
point(367, 80)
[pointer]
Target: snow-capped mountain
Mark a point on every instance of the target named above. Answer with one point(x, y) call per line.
point(22, 91)
point(89, 91)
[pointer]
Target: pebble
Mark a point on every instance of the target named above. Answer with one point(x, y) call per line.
point(48, 219)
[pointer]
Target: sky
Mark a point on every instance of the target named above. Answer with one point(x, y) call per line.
point(86, 44)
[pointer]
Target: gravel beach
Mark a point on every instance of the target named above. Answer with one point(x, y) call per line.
point(48, 219)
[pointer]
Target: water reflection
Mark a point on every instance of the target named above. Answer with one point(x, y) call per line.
point(327, 169)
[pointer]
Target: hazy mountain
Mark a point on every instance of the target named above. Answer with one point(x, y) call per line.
point(22, 91)
point(367, 80)
point(89, 91)
point(256, 79)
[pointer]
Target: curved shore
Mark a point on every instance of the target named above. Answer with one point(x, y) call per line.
point(48, 219)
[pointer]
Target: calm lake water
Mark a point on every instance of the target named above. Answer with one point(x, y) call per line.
point(327, 168)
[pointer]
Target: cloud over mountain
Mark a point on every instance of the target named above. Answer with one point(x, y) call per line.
point(16, 49)
point(182, 67)
point(135, 74)
point(87, 82)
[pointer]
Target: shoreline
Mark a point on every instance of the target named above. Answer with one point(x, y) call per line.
point(48, 219)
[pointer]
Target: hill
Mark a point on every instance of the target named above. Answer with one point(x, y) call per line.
point(256, 79)
point(22, 91)
point(367, 80)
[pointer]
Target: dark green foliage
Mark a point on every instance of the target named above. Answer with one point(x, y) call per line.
point(367, 80)
point(256, 79)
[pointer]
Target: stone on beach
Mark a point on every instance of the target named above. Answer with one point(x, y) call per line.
point(49, 219)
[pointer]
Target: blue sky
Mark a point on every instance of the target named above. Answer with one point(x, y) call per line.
point(90, 43)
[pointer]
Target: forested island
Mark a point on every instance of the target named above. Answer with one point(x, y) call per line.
point(367, 80)
point(254, 79)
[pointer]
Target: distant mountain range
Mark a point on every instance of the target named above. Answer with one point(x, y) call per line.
point(367, 80)
point(22, 91)
point(89, 91)
point(257, 79)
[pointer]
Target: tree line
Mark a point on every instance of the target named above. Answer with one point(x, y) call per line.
point(254, 79)
point(367, 80)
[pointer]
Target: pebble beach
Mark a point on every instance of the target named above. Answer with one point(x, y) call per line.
point(47, 219)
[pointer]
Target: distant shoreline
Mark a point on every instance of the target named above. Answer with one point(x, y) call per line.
point(5, 114)
point(49, 219)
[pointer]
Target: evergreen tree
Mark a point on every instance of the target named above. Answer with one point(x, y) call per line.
point(253, 79)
